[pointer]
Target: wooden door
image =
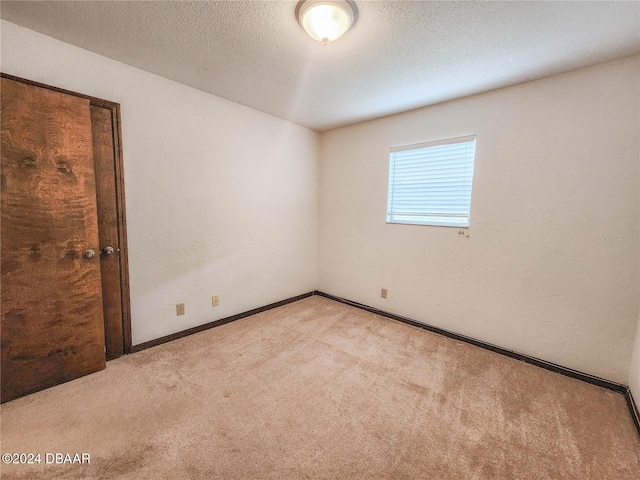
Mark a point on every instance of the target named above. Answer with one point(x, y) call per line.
point(52, 319)
point(102, 125)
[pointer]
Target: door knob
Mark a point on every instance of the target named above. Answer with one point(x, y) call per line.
point(108, 250)
point(89, 254)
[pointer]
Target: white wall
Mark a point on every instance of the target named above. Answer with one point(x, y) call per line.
point(634, 368)
point(634, 373)
point(557, 169)
point(221, 199)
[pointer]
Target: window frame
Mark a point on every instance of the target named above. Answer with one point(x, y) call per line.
point(426, 215)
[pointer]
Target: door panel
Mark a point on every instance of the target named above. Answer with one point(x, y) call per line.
point(52, 319)
point(103, 152)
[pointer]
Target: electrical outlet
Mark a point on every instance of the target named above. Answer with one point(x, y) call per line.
point(180, 309)
point(215, 301)
point(383, 293)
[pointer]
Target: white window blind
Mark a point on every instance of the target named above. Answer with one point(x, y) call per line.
point(430, 183)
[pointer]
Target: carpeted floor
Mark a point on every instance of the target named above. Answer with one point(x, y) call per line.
point(317, 389)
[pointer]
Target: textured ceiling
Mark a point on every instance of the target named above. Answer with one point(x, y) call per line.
point(400, 55)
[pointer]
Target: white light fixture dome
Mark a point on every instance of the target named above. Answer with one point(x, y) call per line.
point(326, 20)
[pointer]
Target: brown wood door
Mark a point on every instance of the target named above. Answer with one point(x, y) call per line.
point(102, 125)
point(52, 319)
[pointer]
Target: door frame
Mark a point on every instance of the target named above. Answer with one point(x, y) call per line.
point(120, 199)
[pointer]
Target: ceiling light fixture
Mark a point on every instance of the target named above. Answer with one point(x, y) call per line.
point(326, 20)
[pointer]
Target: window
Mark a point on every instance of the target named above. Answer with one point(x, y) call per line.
point(430, 183)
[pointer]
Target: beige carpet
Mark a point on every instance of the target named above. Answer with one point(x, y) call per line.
point(317, 389)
